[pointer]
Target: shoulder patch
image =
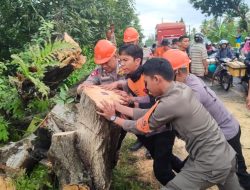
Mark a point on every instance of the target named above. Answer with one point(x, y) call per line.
point(95, 73)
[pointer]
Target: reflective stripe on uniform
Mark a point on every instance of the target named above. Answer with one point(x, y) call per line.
point(142, 124)
point(138, 87)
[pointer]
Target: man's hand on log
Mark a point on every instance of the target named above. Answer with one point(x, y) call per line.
point(110, 86)
point(81, 87)
point(126, 98)
point(108, 110)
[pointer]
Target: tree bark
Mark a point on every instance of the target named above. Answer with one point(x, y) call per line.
point(86, 155)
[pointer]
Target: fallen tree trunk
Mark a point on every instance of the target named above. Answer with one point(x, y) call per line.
point(82, 145)
point(87, 154)
point(68, 59)
point(15, 155)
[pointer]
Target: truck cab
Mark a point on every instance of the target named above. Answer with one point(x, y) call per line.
point(169, 31)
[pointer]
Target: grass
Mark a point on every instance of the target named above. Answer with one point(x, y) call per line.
point(125, 176)
point(38, 179)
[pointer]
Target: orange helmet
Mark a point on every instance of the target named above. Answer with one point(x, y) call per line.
point(104, 51)
point(177, 58)
point(130, 35)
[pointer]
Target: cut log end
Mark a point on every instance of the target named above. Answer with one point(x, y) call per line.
point(98, 95)
point(63, 133)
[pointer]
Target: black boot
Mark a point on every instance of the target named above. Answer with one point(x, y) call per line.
point(148, 155)
point(136, 146)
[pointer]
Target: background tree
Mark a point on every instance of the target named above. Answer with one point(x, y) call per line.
point(234, 8)
point(219, 28)
point(150, 40)
point(85, 20)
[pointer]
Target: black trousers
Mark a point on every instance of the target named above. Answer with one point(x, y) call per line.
point(122, 136)
point(244, 177)
point(160, 147)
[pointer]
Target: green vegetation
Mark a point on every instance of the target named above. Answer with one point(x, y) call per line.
point(39, 179)
point(4, 134)
point(125, 174)
point(39, 54)
point(216, 29)
point(29, 44)
point(232, 8)
point(85, 20)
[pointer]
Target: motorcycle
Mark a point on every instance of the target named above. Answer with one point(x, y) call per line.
point(219, 72)
point(222, 75)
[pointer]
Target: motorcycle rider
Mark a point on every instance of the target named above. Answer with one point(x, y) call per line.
point(246, 48)
point(224, 51)
point(210, 48)
point(247, 63)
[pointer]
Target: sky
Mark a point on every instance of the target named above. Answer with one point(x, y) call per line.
point(151, 12)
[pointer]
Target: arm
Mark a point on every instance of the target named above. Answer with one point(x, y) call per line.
point(149, 104)
point(248, 97)
point(204, 59)
point(218, 55)
point(108, 111)
point(134, 113)
point(115, 85)
point(124, 110)
point(205, 64)
point(230, 54)
point(157, 116)
point(141, 99)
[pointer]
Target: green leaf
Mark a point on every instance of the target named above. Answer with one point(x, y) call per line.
point(4, 134)
point(70, 100)
point(33, 126)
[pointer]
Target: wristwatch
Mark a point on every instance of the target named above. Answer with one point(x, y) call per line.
point(113, 118)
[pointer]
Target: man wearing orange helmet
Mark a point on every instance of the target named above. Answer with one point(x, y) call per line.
point(107, 70)
point(227, 123)
point(163, 48)
point(131, 36)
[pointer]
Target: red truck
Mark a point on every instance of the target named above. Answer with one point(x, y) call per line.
point(169, 31)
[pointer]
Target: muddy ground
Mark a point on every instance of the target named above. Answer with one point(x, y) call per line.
point(234, 100)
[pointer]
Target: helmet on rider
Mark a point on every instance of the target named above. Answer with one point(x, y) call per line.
point(198, 38)
point(223, 42)
point(247, 38)
point(209, 43)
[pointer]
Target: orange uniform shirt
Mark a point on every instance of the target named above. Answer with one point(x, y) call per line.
point(160, 51)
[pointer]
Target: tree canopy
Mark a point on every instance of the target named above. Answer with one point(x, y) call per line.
point(86, 20)
point(234, 8)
